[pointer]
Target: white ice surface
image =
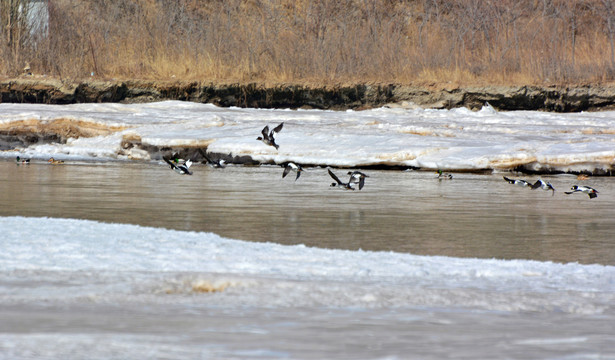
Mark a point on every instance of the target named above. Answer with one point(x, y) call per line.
point(448, 139)
point(278, 275)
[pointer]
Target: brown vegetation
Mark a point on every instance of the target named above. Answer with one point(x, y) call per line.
point(60, 129)
point(313, 41)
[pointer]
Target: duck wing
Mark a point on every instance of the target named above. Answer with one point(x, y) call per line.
point(536, 185)
point(173, 166)
point(334, 177)
point(277, 129)
point(204, 155)
point(286, 171)
point(265, 132)
point(361, 182)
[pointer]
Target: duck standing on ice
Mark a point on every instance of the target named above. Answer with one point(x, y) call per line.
point(584, 189)
point(182, 169)
point(267, 137)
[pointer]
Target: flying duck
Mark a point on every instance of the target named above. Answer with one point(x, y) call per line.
point(543, 185)
point(294, 167)
point(54, 161)
point(517, 182)
point(216, 164)
point(182, 169)
point(19, 160)
point(338, 183)
point(357, 177)
point(584, 189)
point(267, 137)
point(444, 176)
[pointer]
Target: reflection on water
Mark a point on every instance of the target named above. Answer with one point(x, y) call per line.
point(470, 216)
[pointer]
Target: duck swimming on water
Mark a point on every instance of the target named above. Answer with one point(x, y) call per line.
point(54, 161)
point(19, 160)
point(444, 176)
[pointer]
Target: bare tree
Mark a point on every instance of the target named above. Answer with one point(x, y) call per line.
point(605, 10)
point(15, 25)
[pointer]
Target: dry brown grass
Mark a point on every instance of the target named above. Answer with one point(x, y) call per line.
point(454, 42)
point(59, 128)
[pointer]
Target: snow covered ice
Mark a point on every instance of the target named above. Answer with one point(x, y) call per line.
point(61, 245)
point(457, 139)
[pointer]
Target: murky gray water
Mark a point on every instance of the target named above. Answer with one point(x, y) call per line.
point(311, 333)
point(471, 216)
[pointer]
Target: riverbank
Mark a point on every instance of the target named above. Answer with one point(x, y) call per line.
point(554, 98)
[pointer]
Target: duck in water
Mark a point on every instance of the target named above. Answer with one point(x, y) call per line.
point(54, 161)
point(19, 160)
point(444, 176)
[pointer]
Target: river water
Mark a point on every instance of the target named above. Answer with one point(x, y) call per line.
point(473, 215)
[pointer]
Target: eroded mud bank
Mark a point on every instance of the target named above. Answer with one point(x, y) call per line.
point(340, 97)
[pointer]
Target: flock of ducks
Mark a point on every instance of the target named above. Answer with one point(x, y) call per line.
point(540, 184)
point(268, 138)
point(356, 177)
point(19, 160)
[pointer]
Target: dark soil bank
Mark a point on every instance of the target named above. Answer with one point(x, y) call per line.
point(548, 98)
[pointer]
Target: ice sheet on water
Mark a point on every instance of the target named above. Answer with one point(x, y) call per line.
point(448, 139)
point(151, 262)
